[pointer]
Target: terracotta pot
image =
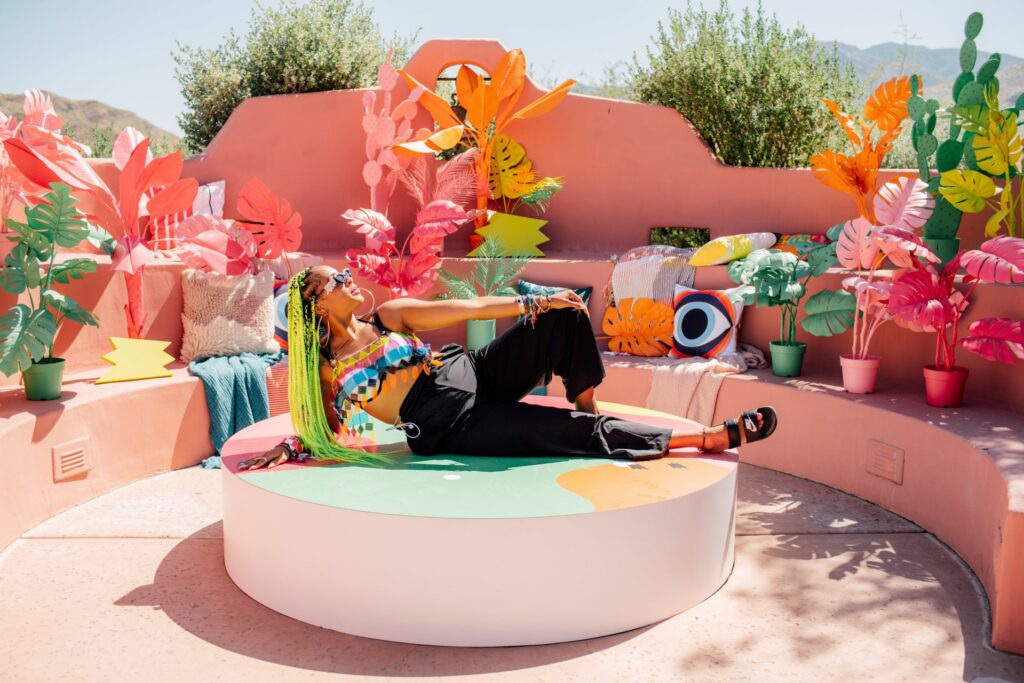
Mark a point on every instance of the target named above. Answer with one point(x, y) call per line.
point(944, 388)
point(859, 374)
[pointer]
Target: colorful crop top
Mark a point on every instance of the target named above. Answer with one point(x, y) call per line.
point(361, 376)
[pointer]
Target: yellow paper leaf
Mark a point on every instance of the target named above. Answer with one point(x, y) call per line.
point(995, 222)
point(511, 173)
point(966, 190)
point(438, 108)
point(441, 140)
point(544, 103)
point(136, 359)
point(1000, 148)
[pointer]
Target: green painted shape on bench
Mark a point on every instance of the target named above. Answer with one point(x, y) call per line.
point(476, 487)
point(416, 485)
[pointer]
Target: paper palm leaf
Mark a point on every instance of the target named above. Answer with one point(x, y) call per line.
point(999, 260)
point(640, 327)
point(845, 120)
point(966, 190)
point(829, 313)
point(999, 149)
point(511, 172)
point(24, 337)
point(855, 249)
point(904, 203)
point(835, 170)
point(270, 219)
point(1000, 339)
point(887, 107)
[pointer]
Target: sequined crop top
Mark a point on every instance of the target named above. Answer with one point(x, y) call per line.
point(361, 376)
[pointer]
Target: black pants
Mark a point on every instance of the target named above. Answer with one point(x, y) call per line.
point(470, 404)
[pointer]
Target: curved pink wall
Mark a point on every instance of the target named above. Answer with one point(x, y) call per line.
point(628, 167)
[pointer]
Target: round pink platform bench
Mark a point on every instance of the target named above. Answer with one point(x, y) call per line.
point(479, 551)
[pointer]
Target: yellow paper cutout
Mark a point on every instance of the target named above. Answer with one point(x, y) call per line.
point(519, 235)
point(136, 359)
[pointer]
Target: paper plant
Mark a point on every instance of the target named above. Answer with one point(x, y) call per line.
point(148, 189)
point(490, 109)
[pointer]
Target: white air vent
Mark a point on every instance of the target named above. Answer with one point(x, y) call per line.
point(70, 459)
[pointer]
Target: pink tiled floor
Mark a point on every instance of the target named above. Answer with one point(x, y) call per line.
point(131, 586)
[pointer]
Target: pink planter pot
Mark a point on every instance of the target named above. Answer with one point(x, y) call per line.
point(860, 374)
point(944, 388)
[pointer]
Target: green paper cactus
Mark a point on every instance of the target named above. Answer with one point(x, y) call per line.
point(969, 102)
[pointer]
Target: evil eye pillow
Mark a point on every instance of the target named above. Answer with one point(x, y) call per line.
point(281, 313)
point(547, 290)
point(706, 322)
point(722, 250)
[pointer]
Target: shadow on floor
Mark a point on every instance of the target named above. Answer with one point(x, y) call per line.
point(192, 587)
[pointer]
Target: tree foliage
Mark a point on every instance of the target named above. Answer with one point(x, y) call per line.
point(751, 88)
point(290, 48)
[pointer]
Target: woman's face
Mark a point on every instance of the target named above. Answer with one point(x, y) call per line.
point(335, 291)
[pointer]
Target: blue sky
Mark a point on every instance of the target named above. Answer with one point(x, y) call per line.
point(119, 52)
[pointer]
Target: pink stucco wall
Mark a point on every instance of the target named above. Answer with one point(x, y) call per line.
point(628, 167)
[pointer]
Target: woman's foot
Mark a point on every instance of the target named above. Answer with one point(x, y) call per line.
point(749, 426)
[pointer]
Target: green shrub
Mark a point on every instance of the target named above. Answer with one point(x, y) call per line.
point(751, 88)
point(292, 48)
point(683, 238)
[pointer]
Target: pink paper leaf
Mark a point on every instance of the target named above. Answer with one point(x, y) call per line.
point(439, 218)
point(999, 339)
point(125, 144)
point(384, 133)
point(132, 254)
point(902, 245)
point(921, 301)
point(39, 111)
point(1000, 260)
point(387, 75)
point(215, 251)
point(854, 247)
point(904, 203)
point(375, 226)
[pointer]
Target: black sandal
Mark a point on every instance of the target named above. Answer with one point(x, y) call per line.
point(769, 421)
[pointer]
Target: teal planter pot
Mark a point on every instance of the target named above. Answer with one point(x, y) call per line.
point(479, 333)
point(787, 358)
point(43, 379)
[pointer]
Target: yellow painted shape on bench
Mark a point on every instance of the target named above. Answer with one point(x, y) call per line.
point(136, 359)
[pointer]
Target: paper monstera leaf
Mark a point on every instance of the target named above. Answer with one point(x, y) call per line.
point(640, 327)
point(511, 172)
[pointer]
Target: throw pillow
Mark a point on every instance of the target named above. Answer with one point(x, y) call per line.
point(800, 244)
point(730, 248)
point(639, 327)
point(281, 313)
point(547, 290)
point(706, 322)
point(227, 314)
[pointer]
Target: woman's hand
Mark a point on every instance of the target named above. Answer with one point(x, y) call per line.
point(272, 458)
point(568, 299)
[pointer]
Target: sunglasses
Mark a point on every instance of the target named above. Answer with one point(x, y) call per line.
point(342, 277)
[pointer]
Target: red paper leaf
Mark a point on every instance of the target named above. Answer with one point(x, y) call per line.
point(375, 226)
point(270, 219)
point(439, 218)
point(999, 260)
point(1000, 339)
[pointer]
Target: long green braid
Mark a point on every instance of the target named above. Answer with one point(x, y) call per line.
point(305, 398)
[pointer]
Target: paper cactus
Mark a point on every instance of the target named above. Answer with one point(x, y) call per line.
point(969, 99)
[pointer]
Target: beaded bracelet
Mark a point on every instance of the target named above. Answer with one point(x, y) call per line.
point(294, 448)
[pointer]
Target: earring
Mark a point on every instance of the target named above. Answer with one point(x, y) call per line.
point(373, 305)
point(324, 332)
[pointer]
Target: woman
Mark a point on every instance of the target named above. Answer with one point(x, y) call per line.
point(342, 367)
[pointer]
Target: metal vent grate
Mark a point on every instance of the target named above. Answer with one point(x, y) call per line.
point(70, 459)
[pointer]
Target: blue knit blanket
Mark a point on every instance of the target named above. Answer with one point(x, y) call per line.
point(236, 393)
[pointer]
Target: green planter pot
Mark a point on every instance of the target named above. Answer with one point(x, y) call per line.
point(43, 379)
point(479, 333)
point(787, 358)
point(945, 249)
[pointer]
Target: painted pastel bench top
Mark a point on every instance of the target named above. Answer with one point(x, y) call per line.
point(473, 487)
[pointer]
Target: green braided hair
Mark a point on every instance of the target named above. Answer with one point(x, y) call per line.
point(305, 398)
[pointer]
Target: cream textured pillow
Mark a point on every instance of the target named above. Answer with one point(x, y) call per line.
point(224, 315)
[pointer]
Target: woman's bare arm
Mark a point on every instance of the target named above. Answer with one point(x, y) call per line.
point(414, 315)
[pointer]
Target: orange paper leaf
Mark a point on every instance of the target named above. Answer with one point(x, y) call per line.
point(641, 327)
point(887, 107)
